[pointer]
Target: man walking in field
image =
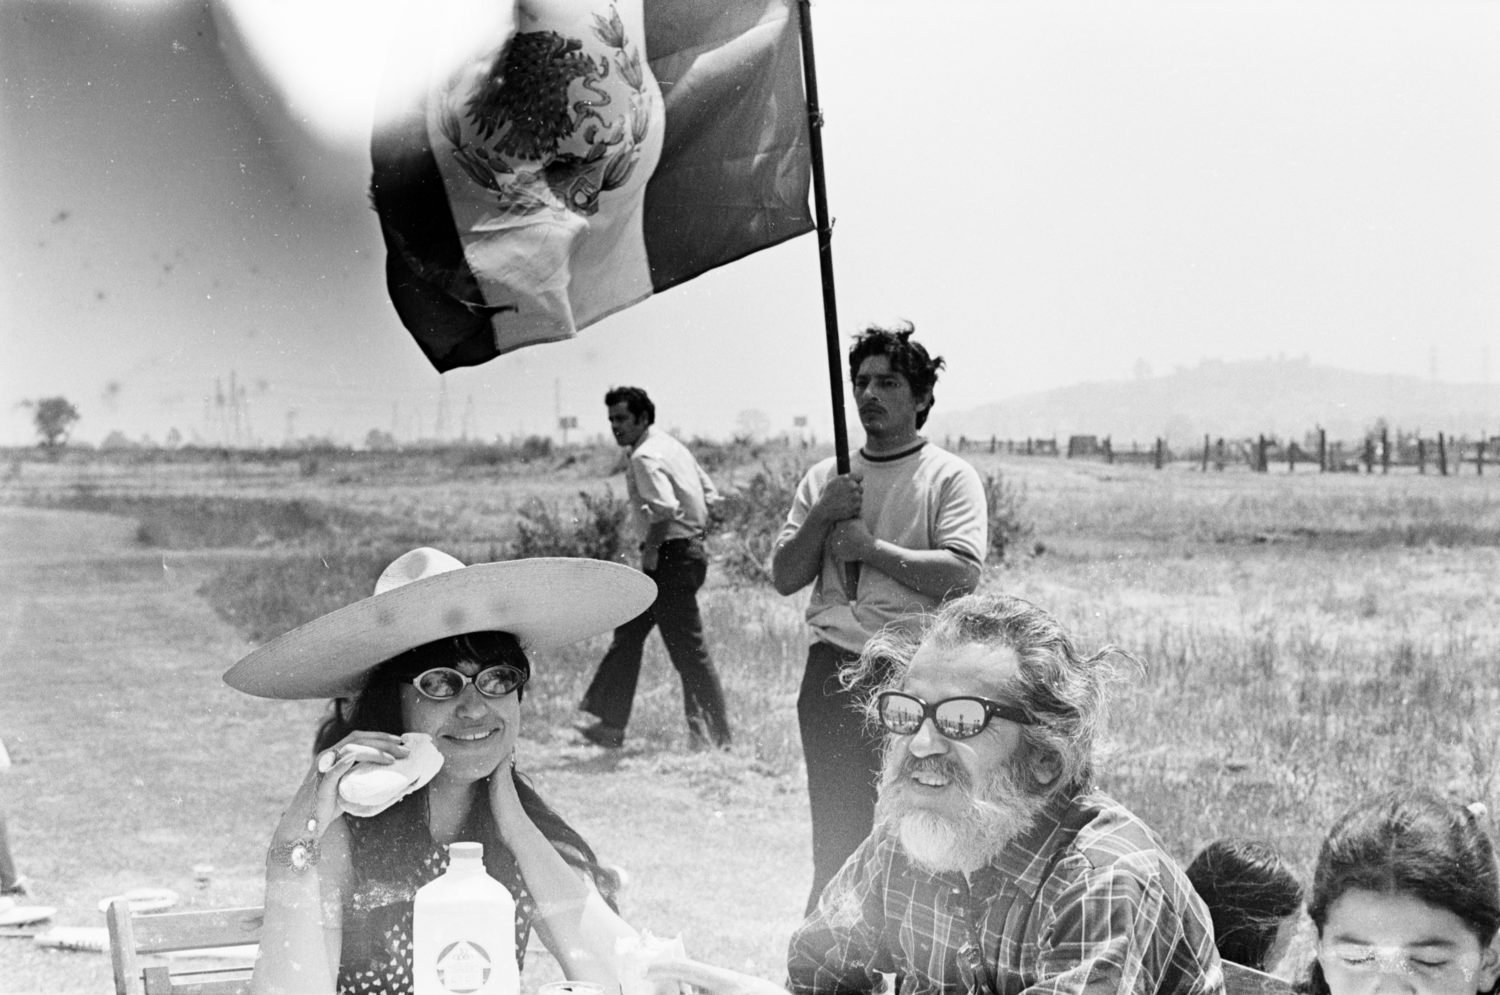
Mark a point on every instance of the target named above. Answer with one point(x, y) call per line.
point(994, 866)
point(912, 520)
point(669, 498)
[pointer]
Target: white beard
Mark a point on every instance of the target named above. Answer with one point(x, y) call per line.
point(998, 812)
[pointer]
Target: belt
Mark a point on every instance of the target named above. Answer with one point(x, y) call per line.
point(681, 541)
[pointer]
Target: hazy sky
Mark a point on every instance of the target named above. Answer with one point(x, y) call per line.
point(1052, 191)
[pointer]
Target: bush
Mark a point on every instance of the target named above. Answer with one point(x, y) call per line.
point(748, 519)
point(1009, 525)
point(593, 528)
point(262, 598)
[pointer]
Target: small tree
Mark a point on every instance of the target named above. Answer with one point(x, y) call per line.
point(53, 418)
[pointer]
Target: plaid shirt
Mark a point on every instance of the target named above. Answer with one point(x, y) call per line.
point(1085, 901)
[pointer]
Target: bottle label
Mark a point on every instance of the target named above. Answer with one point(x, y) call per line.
point(463, 967)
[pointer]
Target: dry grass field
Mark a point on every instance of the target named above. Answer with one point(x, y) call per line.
point(1303, 639)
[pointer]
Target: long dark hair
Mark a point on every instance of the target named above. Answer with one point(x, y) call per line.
point(377, 708)
point(1249, 890)
point(1409, 843)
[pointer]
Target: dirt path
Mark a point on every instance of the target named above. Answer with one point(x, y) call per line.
point(96, 802)
point(132, 766)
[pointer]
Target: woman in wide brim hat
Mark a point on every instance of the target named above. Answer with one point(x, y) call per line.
point(440, 648)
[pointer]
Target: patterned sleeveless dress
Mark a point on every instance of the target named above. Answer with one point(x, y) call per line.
point(393, 854)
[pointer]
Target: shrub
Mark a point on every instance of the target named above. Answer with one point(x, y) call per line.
point(1009, 524)
point(748, 519)
point(262, 598)
point(536, 447)
point(593, 528)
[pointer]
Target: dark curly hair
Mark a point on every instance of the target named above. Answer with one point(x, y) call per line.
point(908, 358)
point(636, 401)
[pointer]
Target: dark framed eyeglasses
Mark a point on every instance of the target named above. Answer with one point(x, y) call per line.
point(956, 718)
point(442, 683)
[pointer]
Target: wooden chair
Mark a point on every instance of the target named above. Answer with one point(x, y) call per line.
point(1241, 980)
point(208, 933)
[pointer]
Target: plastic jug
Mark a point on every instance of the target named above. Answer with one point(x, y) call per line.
point(464, 930)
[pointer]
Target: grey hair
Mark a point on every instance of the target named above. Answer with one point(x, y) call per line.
point(1062, 691)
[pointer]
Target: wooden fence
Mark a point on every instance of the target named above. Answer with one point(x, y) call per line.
point(1442, 454)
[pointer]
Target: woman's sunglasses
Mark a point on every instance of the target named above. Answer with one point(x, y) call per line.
point(956, 718)
point(442, 683)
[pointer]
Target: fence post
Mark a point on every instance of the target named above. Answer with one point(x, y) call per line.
point(1109, 451)
point(1442, 454)
point(1205, 452)
point(1156, 453)
point(1028, 445)
point(1369, 454)
point(1421, 455)
point(992, 445)
point(1479, 455)
point(1291, 456)
point(1322, 449)
point(1260, 454)
point(1385, 450)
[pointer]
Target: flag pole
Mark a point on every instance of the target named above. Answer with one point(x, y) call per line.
point(825, 260)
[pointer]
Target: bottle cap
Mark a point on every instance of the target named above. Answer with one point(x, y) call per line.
point(465, 851)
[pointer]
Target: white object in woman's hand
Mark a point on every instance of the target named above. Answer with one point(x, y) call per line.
point(372, 785)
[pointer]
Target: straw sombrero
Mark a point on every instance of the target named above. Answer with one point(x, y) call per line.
point(425, 595)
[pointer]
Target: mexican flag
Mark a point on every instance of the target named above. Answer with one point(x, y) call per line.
point(554, 161)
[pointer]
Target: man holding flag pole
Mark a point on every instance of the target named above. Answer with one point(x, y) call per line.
point(913, 519)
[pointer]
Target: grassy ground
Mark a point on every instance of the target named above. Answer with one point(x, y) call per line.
point(1304, 639)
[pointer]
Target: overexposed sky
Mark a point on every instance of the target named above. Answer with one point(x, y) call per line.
point(1052, 191)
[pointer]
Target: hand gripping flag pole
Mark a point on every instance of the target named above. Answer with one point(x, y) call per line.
point(825, 262)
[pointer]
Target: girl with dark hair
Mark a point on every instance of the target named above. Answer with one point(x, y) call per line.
point(339, 888)
point(1405, 898)
point(1253, 897)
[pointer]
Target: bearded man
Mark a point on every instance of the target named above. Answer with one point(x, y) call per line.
point(994, 866)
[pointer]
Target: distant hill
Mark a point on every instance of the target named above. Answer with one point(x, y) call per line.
point(1240, 399)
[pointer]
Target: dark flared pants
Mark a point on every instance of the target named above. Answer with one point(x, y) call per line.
point(843, 763)
point(681, 568)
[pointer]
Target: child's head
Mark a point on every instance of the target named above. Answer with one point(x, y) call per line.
point(1253, 897)
point(1406, 890)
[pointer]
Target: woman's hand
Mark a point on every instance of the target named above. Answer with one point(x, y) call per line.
point(505, 804)
point(316, 803)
